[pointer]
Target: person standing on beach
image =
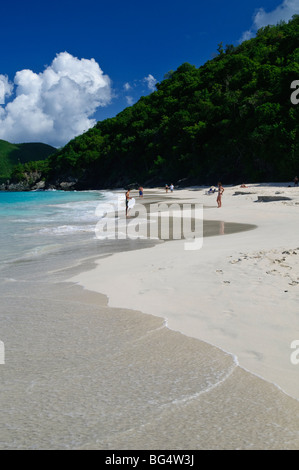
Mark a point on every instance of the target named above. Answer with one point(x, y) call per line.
point(171, 188)
point(219, 195)
point(296, 181)
point(141, 191)
point(127, 201)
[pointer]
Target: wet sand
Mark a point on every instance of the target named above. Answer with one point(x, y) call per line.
point(82, 375)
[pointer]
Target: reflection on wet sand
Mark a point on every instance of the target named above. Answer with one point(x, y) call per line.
point(170, 222)
point(221, 232)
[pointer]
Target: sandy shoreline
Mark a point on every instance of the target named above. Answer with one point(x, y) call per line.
point(135, 359)
point(239, 292)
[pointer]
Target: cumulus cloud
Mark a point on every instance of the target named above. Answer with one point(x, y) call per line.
point(283, 12)
point(151, 82)
point(55, 105)
point(5, 88)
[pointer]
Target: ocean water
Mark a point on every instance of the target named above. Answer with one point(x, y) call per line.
point(81, 375)
point(36, 221)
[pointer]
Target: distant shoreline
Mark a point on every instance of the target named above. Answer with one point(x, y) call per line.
point(23, 186)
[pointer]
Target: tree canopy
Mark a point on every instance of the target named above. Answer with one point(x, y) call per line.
point(230, 119)
point(16, 157)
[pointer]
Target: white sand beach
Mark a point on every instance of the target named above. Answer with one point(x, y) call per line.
point(141, 344)
point(239, 292)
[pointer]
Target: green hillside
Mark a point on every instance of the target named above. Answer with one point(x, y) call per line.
point(230, 120)
point(13, 154)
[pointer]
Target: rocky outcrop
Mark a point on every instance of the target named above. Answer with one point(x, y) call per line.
point(21, 186)
point(241, 193)
point(273, 198)
point(34, 182)
point(65, 183)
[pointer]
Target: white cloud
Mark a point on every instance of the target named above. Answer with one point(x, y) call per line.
point(56, 105)
point(247, 35)
point(137, 88)
point(127, 86)
point(5, 88)
point(130, 100)
point(151, 82)
point(283, 12)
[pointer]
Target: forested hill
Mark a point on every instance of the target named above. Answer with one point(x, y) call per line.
point(231, 119)
point(18, 154)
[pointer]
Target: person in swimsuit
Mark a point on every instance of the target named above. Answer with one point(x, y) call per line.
point(219, 195)
point(141, 191)
point(127, 201)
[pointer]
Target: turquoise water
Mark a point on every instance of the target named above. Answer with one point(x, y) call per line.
point(32, 222)
point(33, 203)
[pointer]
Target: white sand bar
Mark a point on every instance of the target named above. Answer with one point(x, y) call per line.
point(240, 292)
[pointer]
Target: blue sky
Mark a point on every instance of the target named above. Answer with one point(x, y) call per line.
point(67, 64)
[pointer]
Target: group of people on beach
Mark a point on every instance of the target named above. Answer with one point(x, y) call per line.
point(213, 189)
point(140, 190)
point(171, 188)
point(167, 188)
point(128, 197)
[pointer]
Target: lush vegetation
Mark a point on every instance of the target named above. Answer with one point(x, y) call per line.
point(13, 156)
point(230, 119)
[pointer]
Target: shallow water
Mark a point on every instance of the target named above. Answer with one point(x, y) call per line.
point(81, 375)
